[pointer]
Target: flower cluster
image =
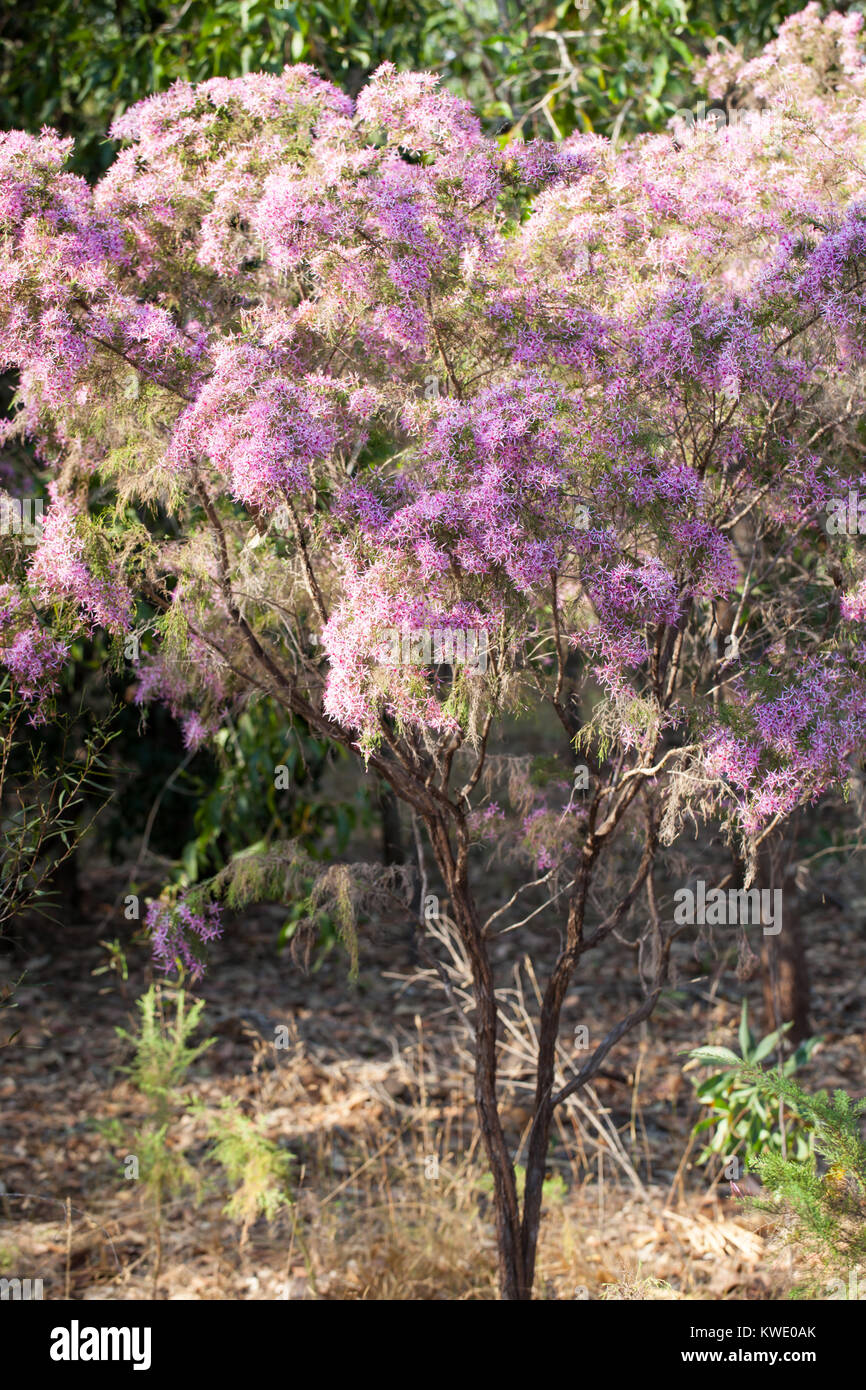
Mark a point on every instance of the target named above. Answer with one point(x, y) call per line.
point(551, 835)
point(192, 690)
point(60, 569)
point(31, 653)
point(178, 934)
point(793, 746)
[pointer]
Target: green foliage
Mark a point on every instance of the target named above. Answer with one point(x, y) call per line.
point(821, 1199)
point(116, 960)
point(327, 901)
point(742, 1119)
point(163, 1055)
point(46, 784)
point(257, 1169)
point(164, 1052)
point(554, 1189)
point(213, 805)
point(239, 797)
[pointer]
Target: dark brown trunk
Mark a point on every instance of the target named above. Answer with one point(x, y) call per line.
point(513, 1284)
point(548, 1031)
point(392, 839)
point(784, 969)
point(785, 979)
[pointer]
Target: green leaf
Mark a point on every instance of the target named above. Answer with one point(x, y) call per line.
point(660, 72)
point(715, 1057)
point(766, 1045)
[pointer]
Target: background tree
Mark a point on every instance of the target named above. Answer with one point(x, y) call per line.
point(538, 68)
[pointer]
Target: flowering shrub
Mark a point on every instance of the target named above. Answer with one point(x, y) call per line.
point(345, 367)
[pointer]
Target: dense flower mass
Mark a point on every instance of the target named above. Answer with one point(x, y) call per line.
point(329, 369)
point(264, 431)
point(31, 654)
point(59, 569)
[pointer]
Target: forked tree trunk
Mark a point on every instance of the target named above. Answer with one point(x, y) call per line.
point(517, 1240)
